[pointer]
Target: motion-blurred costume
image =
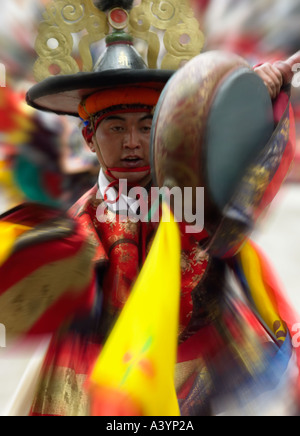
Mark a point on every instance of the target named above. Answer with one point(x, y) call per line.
point(208, 299)
point(31, 150)
point(38, 239)
point(42, 156)
point(11, 108)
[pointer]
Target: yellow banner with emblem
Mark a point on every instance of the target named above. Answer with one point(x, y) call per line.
point(140, 354)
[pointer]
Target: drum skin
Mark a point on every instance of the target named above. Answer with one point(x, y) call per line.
point(212, 122)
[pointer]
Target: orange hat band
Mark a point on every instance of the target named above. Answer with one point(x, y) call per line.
point(119, 96)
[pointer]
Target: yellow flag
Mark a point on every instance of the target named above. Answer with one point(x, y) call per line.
point(140, 354)
point(8, 234)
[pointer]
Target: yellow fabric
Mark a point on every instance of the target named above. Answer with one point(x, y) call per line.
point(6, 175)
point(140, 355)
point(13, 195)
point(253, 273)
point(9, 232)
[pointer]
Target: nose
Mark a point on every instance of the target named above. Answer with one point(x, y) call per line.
point(132, 139)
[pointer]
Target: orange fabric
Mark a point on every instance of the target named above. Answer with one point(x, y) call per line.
point(114, 97)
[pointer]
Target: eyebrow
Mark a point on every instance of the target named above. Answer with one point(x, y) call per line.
point(147, 117)
point(120, 118)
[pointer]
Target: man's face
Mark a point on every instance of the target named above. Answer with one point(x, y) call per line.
point(122, 141)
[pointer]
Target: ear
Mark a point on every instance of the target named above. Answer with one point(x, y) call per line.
point(90, 142)
point(88, 135)
point(91, 145)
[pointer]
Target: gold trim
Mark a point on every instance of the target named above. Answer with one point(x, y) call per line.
point(175, 25)
point(62, 393)
point(65, 22)
point(184, 370)
point(167, 33)
point(118, 26)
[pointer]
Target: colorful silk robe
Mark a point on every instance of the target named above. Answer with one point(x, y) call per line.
point(222, 346)
point(227, 344)
point(43, 253)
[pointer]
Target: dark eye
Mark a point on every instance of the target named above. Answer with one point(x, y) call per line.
point(117, 128)
point(146, 129)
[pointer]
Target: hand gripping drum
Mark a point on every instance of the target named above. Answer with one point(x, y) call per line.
point(214, 128)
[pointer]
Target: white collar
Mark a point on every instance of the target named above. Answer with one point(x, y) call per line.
point(123, 204)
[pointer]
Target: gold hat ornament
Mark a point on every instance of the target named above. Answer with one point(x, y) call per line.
point(165, 33)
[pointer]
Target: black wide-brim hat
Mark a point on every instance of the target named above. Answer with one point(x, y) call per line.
point(120, 65)
point(63, 94)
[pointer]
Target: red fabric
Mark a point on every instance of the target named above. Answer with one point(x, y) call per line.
point(34, 257)
point(208, 342)
point(81, 210)
point(53, 183)
point(30, 214)
point(286, 311)
point(37, 254)
point(201, 344)
point(10, 108)
point(275, 290)
point(71, 302)
point(126, 244)
point(71, 352)
point(120, 243)
point(280, 105)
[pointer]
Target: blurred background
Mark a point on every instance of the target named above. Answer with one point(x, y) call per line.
point(43, 157)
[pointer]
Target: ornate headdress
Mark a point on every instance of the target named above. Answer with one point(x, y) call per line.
point(165, 31)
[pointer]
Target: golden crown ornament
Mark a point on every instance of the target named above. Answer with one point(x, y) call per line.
point(166, 33)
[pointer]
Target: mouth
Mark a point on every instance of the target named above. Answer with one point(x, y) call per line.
point(132, 162)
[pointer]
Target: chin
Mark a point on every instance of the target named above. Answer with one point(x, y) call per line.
point(141, 179)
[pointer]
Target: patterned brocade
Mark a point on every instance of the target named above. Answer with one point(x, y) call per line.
point(220, 341)
point(121, 243)
point(62, 395)
point(118, 258)
point(62, 390)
